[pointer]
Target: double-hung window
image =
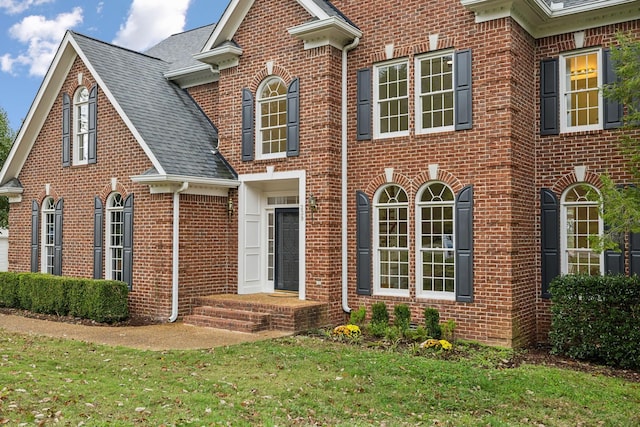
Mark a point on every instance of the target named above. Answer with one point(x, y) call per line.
point(581, 222)
point(115, 237)
point(436, 242)
point(435, 93)
point(81, 126)
point(48, 235)
point(272, 119)
point(580, 83)
point(392, 241)
point(391, 95)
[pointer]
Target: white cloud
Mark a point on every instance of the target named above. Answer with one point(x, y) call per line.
point(18, 6)
point(151, 21)
point(42, 37)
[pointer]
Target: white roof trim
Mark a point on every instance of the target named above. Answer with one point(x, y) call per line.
point(331, 31)
point(235, 13)
point(162, 184)
point(539, 20)
point(44, 100)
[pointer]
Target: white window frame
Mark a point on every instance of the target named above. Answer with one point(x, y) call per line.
point(564, 205)
point(451, 252)
point(78, 133)
point(48, 223)
point(377, 133)
point(376, 244)
point(259, 101)
point(109, 247)
point(562, 72)
point(419, 95)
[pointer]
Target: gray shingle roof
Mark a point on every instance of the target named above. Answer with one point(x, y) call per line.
point(331, 10)
point(178, 133)
point(178, 50)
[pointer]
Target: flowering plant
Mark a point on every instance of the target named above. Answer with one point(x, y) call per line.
point(352, 332)
point(437, 344)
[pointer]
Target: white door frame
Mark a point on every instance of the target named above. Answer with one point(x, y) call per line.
point(252, 271)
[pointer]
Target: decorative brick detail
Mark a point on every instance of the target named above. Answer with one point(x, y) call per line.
point(569, 179)
point(264, 73)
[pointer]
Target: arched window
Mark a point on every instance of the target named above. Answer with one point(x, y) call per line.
point(48, 235)
point(436, 241)
point(272, 118)
point(81, 126)
point(580, 219)
point(391, 241)
point(115, 237)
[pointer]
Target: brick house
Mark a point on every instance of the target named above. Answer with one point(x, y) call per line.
point(431, 153)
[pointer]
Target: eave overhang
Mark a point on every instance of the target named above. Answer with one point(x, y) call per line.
point(12, 190)
point(163, 184)
point(193, 76)
point(331, 31)
point(221, 57)
point(540, 20)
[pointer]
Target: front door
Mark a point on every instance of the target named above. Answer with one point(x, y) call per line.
point(287, 252)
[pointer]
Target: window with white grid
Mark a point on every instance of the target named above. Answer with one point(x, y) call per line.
point(392, 241)
point(391, 92)
point(436, 242)
point(272, 118)
point(435, 94)
point(581, 223)
point(115, 236)
point(581, 80)
point(48, 235)
point(81, 126)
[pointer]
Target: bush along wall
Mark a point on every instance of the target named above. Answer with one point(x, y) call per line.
point(597, 318)
point(99, 300)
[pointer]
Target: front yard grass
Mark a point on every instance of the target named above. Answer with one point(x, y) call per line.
point(302, 380)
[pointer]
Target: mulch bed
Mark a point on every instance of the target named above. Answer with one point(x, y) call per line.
point(537, 355)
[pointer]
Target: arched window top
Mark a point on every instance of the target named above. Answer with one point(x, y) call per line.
point(272, 87)
point(81, 96)
point(115, 201)
point(48, 204)
point(437, 192)
point(392, 194)
point(581, 193)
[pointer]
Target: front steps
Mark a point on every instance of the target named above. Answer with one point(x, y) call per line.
point(257, 312)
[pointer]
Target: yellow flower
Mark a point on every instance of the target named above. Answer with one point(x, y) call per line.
point(446, 344)
point(351, 331)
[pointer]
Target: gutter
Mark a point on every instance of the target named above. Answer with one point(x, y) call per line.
point(345, 259)
point(176, 254)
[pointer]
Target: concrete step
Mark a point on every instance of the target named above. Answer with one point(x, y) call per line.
point(223, 323)
point(229, 313)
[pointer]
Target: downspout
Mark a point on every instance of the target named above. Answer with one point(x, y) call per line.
point(345, 259)
point(176, 254)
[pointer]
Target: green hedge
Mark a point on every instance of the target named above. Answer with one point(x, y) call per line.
point(597, 318)
point(99, 300)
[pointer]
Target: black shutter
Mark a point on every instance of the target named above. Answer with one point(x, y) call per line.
point(35, 234)
point(613, 262)
point(634, 254)
point(549, 97)
point(92, 155)
point(293, 118)
point(247, 125)
point(57, 239)
point(127, 247)
point(549, 239)
point(98, 233)
point(363, 112)
point(463, 90)
point(464, 245)
point(363, 238)
point(613, 110)
point(66, 130)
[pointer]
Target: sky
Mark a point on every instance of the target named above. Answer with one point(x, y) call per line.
point(31, 30)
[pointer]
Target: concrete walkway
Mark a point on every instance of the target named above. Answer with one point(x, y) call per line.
point(167, 336)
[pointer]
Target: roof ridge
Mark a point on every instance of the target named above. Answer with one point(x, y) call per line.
point(74, 33)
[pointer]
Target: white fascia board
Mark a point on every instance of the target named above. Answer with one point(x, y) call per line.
point(330, 31)
point(39, 110)
point(235, 13)
point(539, 20)
point(161, 184)
point(118, 108)
point(221, 57)
point(193, 76)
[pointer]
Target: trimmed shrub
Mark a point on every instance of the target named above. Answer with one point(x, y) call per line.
point(432, 323)
point(9, 290)
point(379, 313)
point(597, 318)
point(357, 317)
point(402, 317)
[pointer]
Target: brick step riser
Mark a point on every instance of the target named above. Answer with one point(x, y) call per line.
point(243, 305)
point(225, 313)
point(222, 323)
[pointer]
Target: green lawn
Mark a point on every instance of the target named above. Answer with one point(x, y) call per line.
point(294, 381)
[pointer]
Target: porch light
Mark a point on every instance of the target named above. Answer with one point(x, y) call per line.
point(313, 204)
point(230, 208)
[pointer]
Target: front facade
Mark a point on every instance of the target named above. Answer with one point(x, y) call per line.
point(346, 152)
